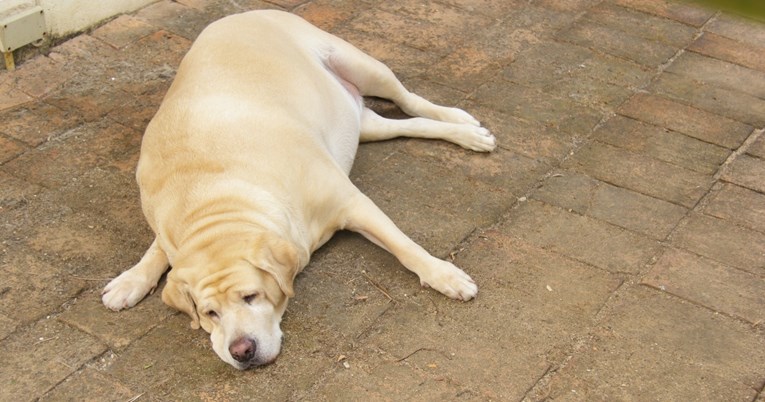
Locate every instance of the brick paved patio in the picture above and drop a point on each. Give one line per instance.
(617, 235)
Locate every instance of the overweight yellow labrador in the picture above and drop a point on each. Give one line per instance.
(244, 169)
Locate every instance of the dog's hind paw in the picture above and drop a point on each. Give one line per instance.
(451, 281)
(125, 291)
(477, 139)
(456, 115)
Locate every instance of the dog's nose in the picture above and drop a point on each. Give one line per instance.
(242, 350)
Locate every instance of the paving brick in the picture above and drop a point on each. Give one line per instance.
(226, 7)
(158, 54)
(720, 73)
(573, 235)
(473, 193)
(487, 7)
(548, 64)
(10, 95)
(731, 50)
(426, 26)
(742, 29)
(92, 383)
(40, 76)
(39, 357)
(328, 14)
(513, 276)
(569, 190)
(735, 105)
(74, 246)
(61, 161)
(542, 18)
(634, 23)
(123, 30)
(7, 324)
(688, 120)
(33, 288)
(640, 173)
(405, 61)
(746, 171)
(737, 204)
(478, 60)
(90, 97)
(198, 4)
(174, 17)
(576, 76)
(117, 204)
(655, 347)
(170, 347)
(710, 284)
(173, 347)
(532, 139)
(662, 144)
(532, 105)
(138, 112)
(617, 43)
(437, 13)
(116, 329)
(757, 148)
(10, 149)
(351, 270)
(643, 214)
(450, 350)
(723, 241)
(383, 380)
(37, 122)
(83, 56)
(288, 4)
(683, 12)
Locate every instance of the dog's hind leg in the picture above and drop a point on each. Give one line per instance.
(373, 78)
(376, 128)
(134, 284)
(364, 217)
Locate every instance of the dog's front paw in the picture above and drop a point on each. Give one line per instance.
(125, 291)
(450, 280)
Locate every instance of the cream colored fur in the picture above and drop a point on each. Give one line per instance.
(244, 173)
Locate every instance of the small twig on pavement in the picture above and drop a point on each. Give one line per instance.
(83, 278)
(45, 340)
(372, 281)
(423, 349)
(135, 398)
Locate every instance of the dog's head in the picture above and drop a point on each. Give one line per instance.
(239, 298)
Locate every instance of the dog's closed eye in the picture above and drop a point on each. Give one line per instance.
(212, 314)
(250, 298)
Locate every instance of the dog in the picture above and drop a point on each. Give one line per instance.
(243, 173)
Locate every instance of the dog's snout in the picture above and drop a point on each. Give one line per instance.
(243, 349)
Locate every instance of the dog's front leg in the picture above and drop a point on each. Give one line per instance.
(364, 217)
(134, 284)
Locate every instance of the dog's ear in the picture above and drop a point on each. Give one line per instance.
(176, 294)
(279, 258)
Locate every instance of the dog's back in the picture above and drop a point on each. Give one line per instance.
(252, 97)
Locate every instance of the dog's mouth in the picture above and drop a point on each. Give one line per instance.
(252, 364)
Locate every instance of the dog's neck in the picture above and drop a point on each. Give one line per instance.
(213, 221)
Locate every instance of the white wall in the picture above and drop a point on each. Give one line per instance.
(68, 16)
(7, 7)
